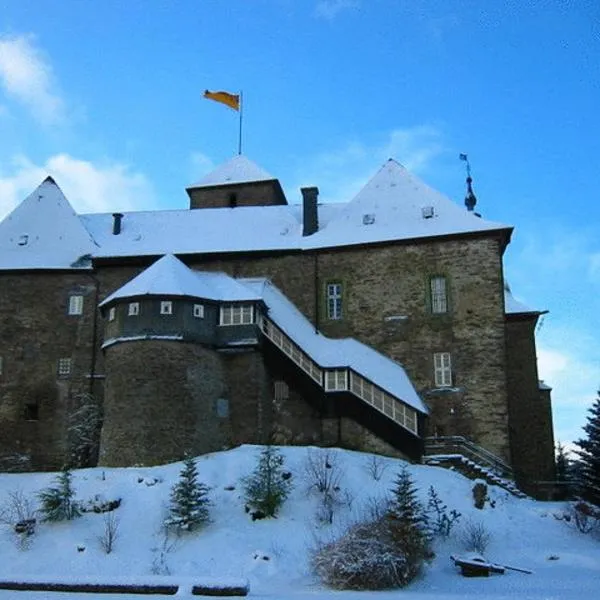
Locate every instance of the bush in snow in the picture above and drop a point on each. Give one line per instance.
(18, 512)
(189, 499)
(475, 537)
(111, 532)
(323, 471)
(57, 503)
(440, 522)
(480, 494)
(268, 486)
(366, 557)
(376, 466)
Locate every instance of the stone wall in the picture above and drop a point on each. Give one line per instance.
(256, 193)
(36, 332)
(530, 410)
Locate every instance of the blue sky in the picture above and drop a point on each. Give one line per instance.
(107, 96)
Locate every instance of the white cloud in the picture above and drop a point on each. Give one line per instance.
(341, 173)
(28, 77)
(329, 9)
(88, 187)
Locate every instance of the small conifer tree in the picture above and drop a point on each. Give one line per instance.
(408, 521)
(58, 502)
(267, 488)
(189, 499)
(589, 455)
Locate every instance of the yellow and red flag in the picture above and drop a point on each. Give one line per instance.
(231, 100)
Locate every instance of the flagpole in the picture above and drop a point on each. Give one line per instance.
(241, 115)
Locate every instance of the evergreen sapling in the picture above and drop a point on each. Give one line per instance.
(58, 502)
(189, 499)
(589, 455)
(267, 488)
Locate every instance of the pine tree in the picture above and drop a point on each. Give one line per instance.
(267, 488)
(189, 499)
(562, 464)
(408, 521)
(589, 454)
(58, 502)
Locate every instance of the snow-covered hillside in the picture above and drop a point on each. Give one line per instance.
(272, 554)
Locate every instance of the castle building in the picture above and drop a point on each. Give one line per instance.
(380, 324)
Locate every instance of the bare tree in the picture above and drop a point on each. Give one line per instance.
(376, 466)
(111, 532)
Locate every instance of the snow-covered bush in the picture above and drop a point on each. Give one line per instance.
(480, 494)
(323, 470)
(376, 466)
(268, 486)
(57, 503)
(111, 532)
(189, 499)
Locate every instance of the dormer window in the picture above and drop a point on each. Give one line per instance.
(166, 307)
(23, 239)
(427, 212)
(134, 309)
(236, 314)
(336, 380)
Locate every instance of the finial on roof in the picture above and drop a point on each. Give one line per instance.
(470, 199)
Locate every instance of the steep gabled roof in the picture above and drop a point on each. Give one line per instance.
(168, 276)
(44, 232)
(397, 205)
(513, 307)
(239, 169)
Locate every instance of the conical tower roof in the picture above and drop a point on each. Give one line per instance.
(44, 232)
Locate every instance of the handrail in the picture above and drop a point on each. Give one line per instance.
(469, 449)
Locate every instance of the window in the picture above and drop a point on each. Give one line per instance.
(31, 412)
(281, 391)
(64, 367)
(166, 307)
(134, 309)
(236, 314)
(334, 301)
(111, 313)
(75, 305)
(442, 369)
(222, 408)
(336, 380)
(199, 311)
(439, 296)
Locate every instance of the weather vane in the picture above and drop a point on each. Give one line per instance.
(470, 199)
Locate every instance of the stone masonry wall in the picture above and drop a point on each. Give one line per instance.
(161, 402)
(36, 331)
(530, 412)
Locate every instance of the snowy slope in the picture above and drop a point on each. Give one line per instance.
(272, 554)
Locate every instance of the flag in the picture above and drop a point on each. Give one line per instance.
(462, 156)
(231, 100)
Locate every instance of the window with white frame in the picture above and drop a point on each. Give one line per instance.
(64, 367)
(438, 294)
(336, 380)
(199, 311)
(442, 366)
(134, 309)
(112, 312)
(334, 301)
(281, 391)
(76, 305)
(236, 314)
(166, 307)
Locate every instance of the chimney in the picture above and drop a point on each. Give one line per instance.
(117, 223)
(310, 215)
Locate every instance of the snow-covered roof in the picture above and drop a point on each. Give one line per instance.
(335, 353)
(512, 306)
(44, 232)
(394, 205)
(168, 276)
(239, 169)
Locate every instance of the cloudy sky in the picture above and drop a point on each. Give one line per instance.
(107, 97)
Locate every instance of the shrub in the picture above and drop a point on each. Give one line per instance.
(57, 503)
(440, 521)
(268, 487)
(323, 471)
(376, 466)
(475, 537)
(189, 499)
(111, 532)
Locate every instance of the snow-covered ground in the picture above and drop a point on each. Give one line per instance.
(272, 554)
